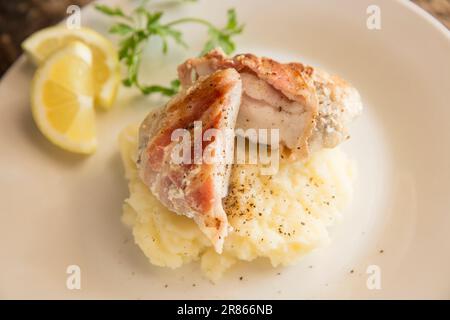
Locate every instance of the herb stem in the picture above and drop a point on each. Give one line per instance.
(192, 20)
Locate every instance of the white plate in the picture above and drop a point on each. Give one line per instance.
(57, 209)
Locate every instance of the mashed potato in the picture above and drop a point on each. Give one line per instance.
(279, 217)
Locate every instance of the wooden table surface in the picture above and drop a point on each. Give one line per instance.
(20, 18)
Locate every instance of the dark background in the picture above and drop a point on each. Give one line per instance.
(20, 18)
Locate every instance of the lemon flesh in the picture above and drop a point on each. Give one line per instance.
(62, 99)
(105, 64)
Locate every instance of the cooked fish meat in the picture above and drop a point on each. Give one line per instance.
(194, 189)
(311, 108)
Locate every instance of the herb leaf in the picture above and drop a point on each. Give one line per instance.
(117, 12)
(121, 29)
(167, 91)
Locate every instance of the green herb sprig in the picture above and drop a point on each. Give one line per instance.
(141, 24)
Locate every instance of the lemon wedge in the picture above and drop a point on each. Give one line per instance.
(62, 99)
(45, 42)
